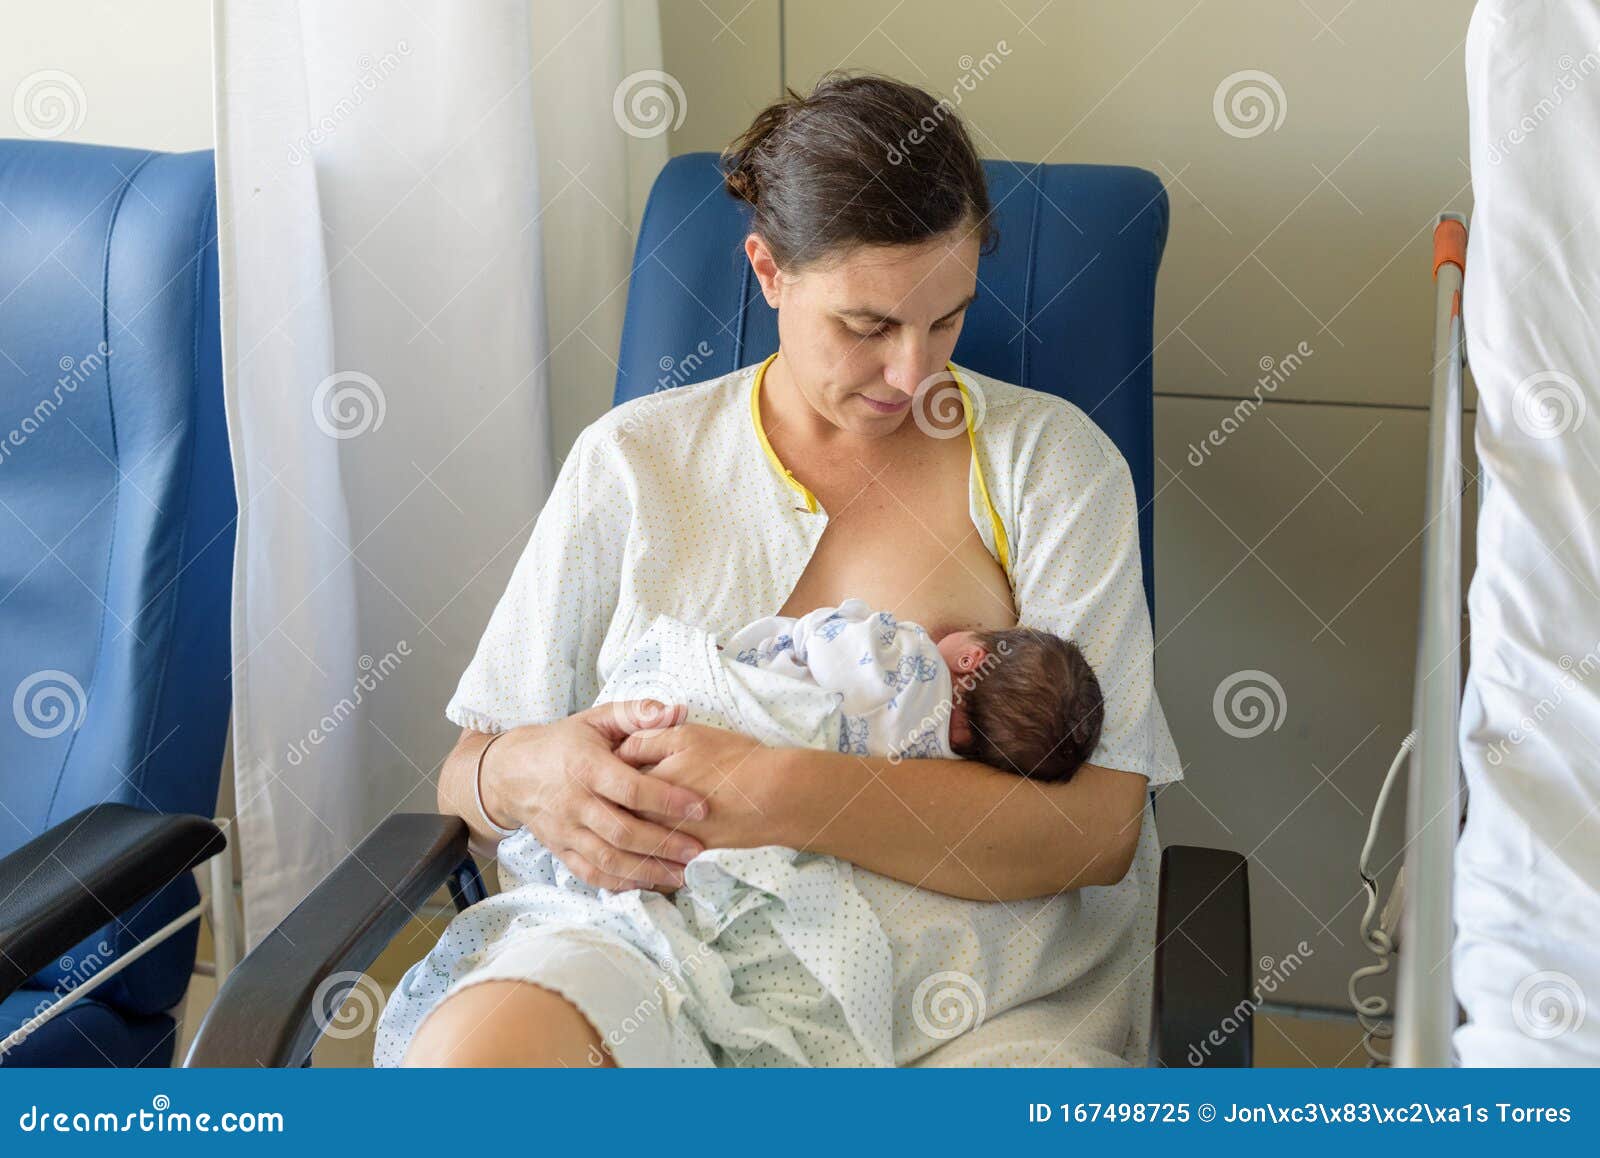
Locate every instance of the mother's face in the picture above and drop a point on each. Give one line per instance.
(861, 331)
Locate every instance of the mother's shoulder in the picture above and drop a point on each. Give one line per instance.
(676, 407)
(1027, 418)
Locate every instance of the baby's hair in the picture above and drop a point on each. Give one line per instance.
(1034, 705)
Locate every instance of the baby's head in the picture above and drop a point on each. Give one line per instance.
(1024, 701)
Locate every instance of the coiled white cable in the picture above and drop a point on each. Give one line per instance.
(1373, 1011)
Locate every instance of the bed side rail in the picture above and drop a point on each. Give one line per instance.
(1425, 1005)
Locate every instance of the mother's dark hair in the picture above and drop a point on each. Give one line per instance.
(862, 160)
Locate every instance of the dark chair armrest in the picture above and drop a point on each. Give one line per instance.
(274, 1005)
(61, 886)
(1203, 1009)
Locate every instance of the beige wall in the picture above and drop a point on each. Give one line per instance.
(140, 70)
(1293, 548)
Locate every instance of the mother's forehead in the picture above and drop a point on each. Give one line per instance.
(957, 250)
(880, 276)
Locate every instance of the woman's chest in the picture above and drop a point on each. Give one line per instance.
(725, 540)
(905, 541)
(919, 564)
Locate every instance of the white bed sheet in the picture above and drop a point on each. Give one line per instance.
(1527, 898)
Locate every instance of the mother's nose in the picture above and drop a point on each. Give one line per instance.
(906, 371)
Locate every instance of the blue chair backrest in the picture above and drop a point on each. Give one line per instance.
(1065, 303)
(116, 512)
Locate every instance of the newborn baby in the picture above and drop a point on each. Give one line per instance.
(771, 956)
(1020, 700)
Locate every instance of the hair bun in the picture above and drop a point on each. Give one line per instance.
(741, 183)
(742, 159)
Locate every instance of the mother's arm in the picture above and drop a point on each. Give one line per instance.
(564, 782)
(554, 770)
(961, 827)
(953, 826)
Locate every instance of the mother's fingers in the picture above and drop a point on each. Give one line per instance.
(611, 861)
(585, 871)
(624, 830)
(624, 785)
(625, 717)
(648, 746)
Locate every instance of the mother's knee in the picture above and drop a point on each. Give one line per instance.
(506, 1023)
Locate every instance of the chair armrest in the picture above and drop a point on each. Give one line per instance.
(61, 886)
(274, 1005)
(1203, 1009)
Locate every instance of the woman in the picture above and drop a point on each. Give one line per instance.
(839, 467)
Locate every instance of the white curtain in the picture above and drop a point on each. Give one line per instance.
(389, 368)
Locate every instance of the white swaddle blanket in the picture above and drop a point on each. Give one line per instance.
(772, 956)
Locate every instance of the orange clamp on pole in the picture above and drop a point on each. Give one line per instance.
(1449, 245)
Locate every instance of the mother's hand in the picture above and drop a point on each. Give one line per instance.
(565, 782)
(737, 776)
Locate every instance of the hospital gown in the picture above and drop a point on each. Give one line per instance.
(773, 956)
(675, 504)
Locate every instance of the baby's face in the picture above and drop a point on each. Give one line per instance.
(963, 654)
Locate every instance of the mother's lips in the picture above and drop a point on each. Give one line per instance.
(886, 407)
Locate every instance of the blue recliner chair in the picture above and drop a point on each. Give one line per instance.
(116, 553)
(1065, 305)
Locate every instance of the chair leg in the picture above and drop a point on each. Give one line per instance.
(222, 913)
(466, 885)
(1204, 1003)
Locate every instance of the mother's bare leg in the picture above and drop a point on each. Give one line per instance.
(506, 1023)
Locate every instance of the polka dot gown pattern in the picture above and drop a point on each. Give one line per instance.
(668, 505)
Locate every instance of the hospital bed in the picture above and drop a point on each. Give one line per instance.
(1496, 953)
(1066, 306)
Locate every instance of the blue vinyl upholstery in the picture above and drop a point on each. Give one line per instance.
(1065, 303)
(116, 542)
